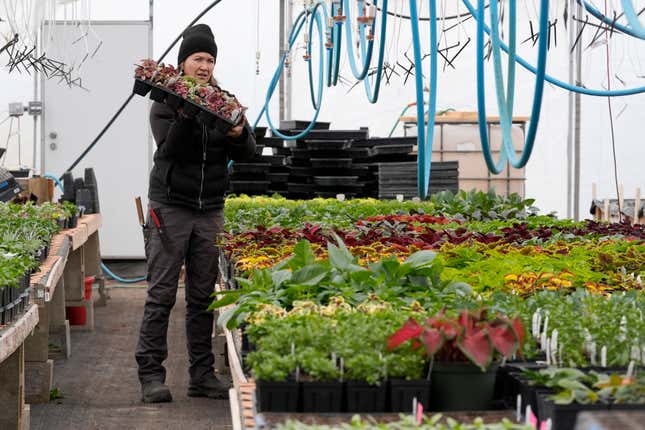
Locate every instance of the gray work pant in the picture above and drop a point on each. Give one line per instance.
(189, 238)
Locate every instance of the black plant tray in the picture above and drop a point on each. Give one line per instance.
(301, 125)
(277, 396)
(396, 167)
(260, 132)
(299, 162)
(275, 160)
(247, 187)
(333, 194)
(391, 158)
(331, 163)
(374, 141)
(300, 188)
(163, 95)
(323, 145)
(403, 393)
(282, 151)
(335, 181)
(391, 149)
(278, 178)
(321, 396)
(563, 417)
(301, 171)
(272, 142)
(251, 168)
(362, 397)
(300, 153)
(328, 134)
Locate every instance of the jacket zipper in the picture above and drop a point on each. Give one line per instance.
(201, 186)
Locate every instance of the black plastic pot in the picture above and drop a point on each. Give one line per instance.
(321, 396)
(260, 132)
(461, 387)
(530, 394)
(363, 397)
(277, 396)
(141, 87)
(403, 393)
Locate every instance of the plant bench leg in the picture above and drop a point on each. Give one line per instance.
(59, 335)
(12, 381)
(38, 367)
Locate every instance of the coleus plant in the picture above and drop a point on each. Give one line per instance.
(472, 336)
(211, 97)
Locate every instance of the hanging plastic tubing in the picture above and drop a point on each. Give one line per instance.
(635, 25)
(599, 15)
(367, 53)
(372, 95)
(425, 135)
(506, 106)
(557, 82)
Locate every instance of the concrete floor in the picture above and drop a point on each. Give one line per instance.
(99, 381)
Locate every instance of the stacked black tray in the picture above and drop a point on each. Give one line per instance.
(251, 177)
(401, 179)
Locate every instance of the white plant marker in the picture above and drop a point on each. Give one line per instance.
(603, 356)
(635, 355)
(592, 353)
(554, 347)
(630, 370)
(518, 408)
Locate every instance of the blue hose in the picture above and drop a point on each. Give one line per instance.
(372, 95)
(556, 82)
(55, 179)
(120, 279)
(508, 151)
(295, 30)
(618, 26)
(425, 136)
(367, 54)
(635, 25)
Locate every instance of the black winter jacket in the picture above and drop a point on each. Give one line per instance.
(190, 164)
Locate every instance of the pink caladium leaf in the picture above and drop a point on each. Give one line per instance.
(410, 330)
(475, 344)
(433, 340)
(503, 337)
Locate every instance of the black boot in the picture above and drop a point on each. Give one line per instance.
(155, 392)
(208, 386)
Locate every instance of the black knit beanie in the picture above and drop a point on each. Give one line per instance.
(198, 38)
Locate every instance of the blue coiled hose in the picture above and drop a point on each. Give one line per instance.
(634, 24)
(557, 82)
(425, 136)
(367, 53)
(618, 26)
(372, 95)
(506, 107)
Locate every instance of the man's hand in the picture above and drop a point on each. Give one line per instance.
(237, 130)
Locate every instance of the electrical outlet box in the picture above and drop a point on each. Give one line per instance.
(16, 109)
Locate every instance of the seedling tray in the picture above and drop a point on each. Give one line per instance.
(249, 187)
(286, 152)
(391, 149)
(301, 125)
(272, 142)
(275, 160)
(324, 145)
(260, 132)
(300, 188)
(163, 95)
(374, 141)
(335, 181)
(332, 163)
(278, 178)
(251, 168)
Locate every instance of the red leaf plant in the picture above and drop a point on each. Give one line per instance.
(473, 336)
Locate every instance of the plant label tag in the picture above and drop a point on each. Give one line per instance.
(546, 425)
(419, 413)
(531, 419)
(340, 197)
(399, 197)
(518, 408)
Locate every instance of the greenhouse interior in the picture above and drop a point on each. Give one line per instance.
(322, 214)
